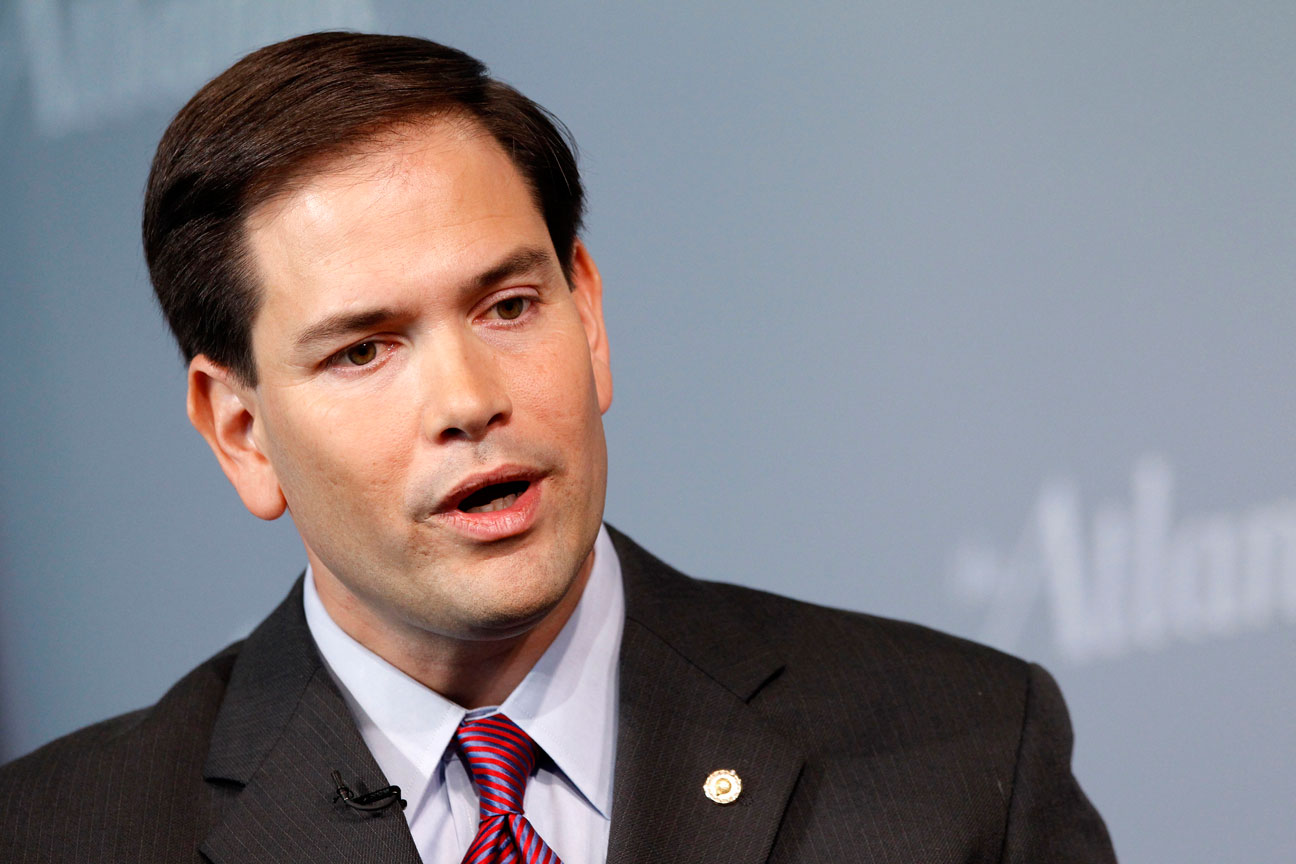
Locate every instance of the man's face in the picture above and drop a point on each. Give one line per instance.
(430, 389)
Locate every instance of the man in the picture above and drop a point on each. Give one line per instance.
(369, 253)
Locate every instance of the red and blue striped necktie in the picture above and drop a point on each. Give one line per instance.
(501, 757)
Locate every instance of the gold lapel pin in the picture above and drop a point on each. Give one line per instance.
(723, 786)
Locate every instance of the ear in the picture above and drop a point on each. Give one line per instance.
(223, 410)
(587, 290)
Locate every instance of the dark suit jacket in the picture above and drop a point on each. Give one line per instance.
(856, 738)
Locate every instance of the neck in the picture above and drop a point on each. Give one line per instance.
(472, 672)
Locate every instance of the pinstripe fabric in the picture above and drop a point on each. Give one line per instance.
(501, 757)
(857, 739)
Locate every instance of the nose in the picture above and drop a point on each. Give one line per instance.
(464, 391)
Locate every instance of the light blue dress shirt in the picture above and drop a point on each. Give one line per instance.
(567, 703)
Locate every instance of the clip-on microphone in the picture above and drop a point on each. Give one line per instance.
(370, 802)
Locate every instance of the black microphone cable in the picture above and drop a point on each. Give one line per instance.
(370, 802)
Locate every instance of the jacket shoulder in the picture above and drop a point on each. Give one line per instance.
(811, 633)
(934, 745)
(857, 674)
(133, 776)
(898, 663)
(979, 738)
(711, 619)
(177, 715)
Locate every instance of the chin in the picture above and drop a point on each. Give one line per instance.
(496, 605)
(523, 609)
(502, 620)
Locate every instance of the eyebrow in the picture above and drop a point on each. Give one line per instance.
(525, 260)
(343, 324)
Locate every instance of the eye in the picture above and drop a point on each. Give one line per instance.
(359, 355)
(511, 308)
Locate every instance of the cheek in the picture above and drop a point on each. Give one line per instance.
(555, 380)
(347, 452)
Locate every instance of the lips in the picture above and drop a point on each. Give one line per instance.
(496, 496)
(482, 488)
(492, 506)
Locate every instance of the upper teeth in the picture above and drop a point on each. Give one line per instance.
(497, 504)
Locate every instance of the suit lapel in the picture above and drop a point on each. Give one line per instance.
(282, 730)
(687, 669)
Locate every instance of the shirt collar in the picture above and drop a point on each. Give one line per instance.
(567, 703)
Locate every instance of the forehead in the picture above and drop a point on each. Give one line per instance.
(414, 207)
(451, 166)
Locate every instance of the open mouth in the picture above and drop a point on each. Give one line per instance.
(496, 496)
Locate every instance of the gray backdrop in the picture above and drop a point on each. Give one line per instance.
(975, 314)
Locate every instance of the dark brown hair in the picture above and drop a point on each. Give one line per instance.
(278, 111)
